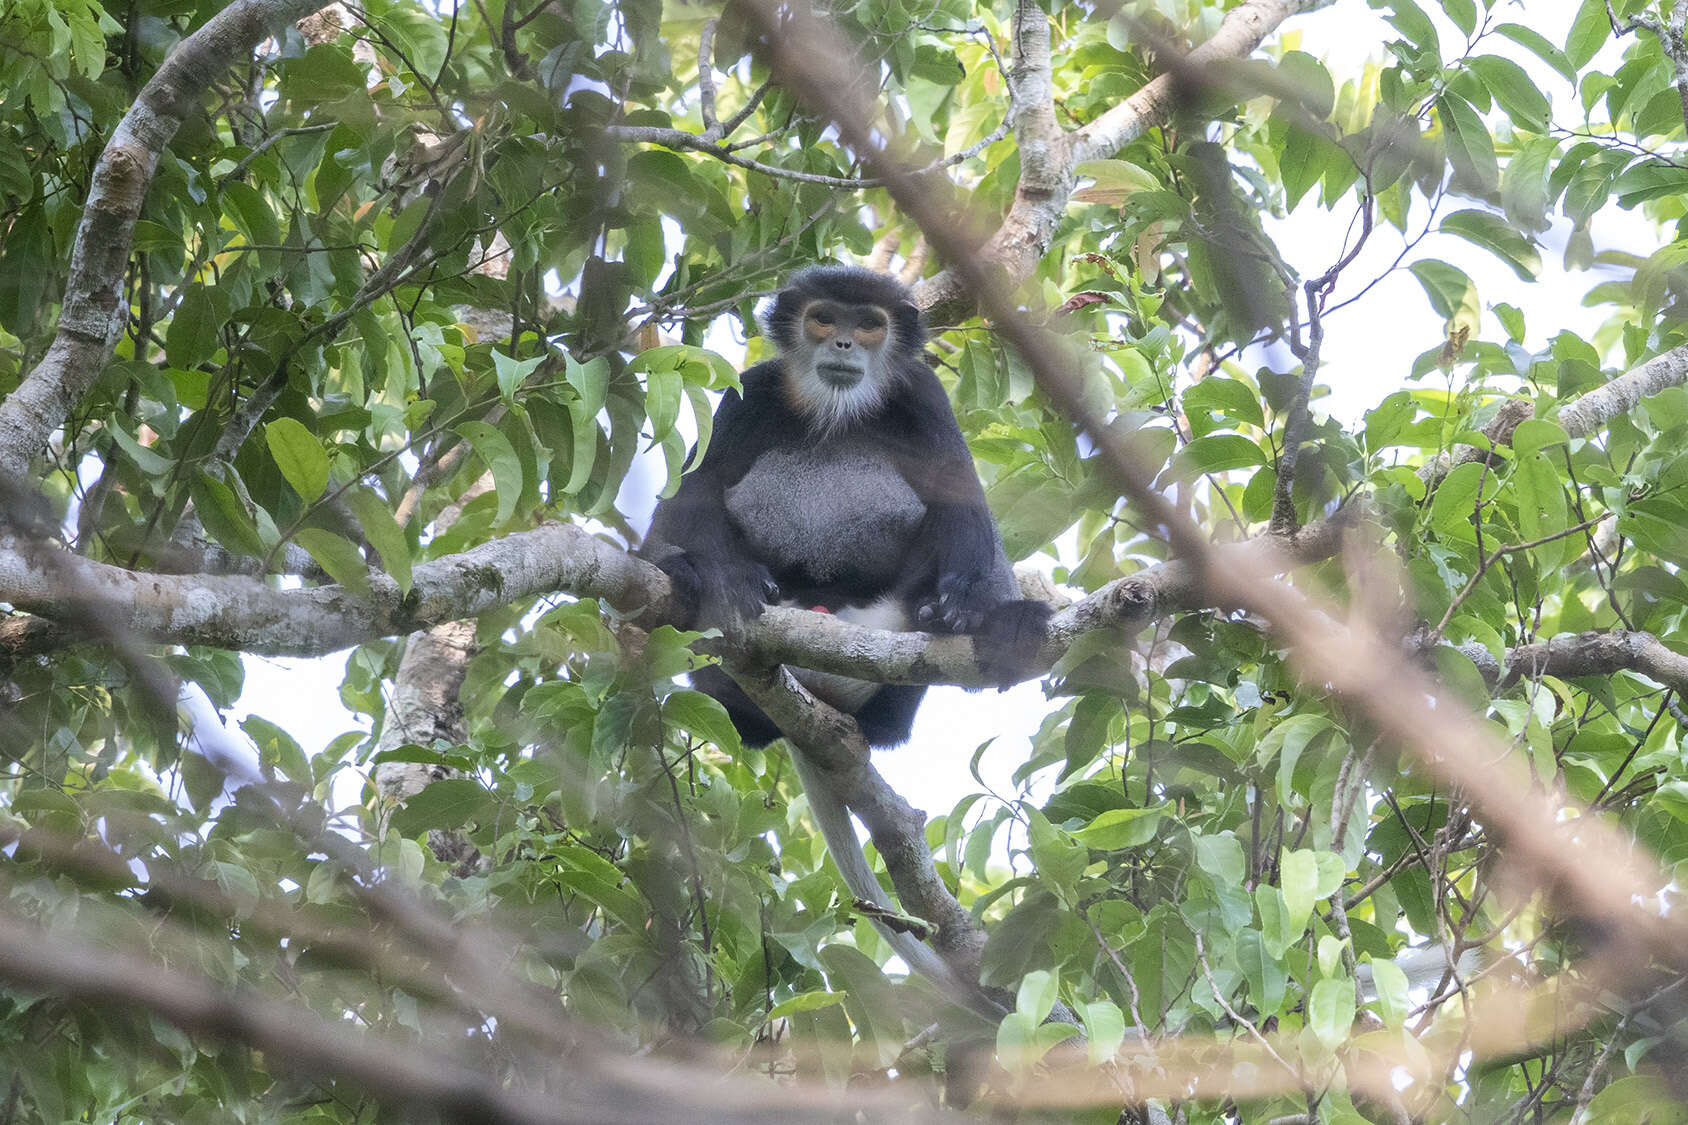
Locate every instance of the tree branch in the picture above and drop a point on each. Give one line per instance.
(1046, 182)
(1598, 654)
(406, 1073)
(1590, 413)
(246, 614)
(833, 745)
(241, 613)
(93, 312)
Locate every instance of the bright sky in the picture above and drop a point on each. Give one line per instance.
(1367, 352)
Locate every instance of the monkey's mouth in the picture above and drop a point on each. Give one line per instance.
(839, 375)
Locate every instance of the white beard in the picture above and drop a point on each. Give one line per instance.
(830, 407)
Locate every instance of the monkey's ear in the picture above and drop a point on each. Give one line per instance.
(911, 324)
(777, 319)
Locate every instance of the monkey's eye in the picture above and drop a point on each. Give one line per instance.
(872, 322)
(823, 316)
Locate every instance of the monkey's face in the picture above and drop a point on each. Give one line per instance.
(839, 363)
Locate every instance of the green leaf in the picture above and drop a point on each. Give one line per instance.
(703, 419)
(299, 456)
(1535, 434)
(1217, 453)
(409, 222)
(1114, 829)
(1516, 92)
(1104, 1028)
(1332, 870)
(1060, 861)
(383, 533)
(1087, 732)
(1649, 179)
(1038, 991)
(1588, 33)
(1640, 1099)
(1221, 856)
(240, 885)
(1267, 979)
(703, 716)
(806, 1002)
(513, 372)
(1470, 148)
(1493, 234)
(252, 214)
(1330, 954)
(662, 402)
(599, 881)
(1409, 19)
(1393, 1004)
(1307, 153)
(938, 64)
(195, 331)
(1277, 927)
(1285, 743)
(445, 804)
(1511, 318)
(1299, 879)
(224, 516)
(149, 462)
(1456, 497)
(589, 380)
(336, 554)
(1448, 287)
(584, 424)
(1226, 396)
(1544, 50)
(1330, 1011)
(1524, 184)
(499, 456)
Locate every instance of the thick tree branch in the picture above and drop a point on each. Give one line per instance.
(245, 614)
(1245, 27)
(93, 312)
(1499, 431)
(1598, 654)
(1590, 413)
(832, 744)
(248, 615)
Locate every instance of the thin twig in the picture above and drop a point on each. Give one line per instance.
(1500, 553)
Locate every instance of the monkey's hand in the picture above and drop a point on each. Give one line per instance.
(720, 591)
(1006, 646)
(964, 602)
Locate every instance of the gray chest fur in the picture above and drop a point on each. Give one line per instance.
(833, 512)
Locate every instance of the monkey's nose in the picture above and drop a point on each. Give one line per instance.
(842, 344)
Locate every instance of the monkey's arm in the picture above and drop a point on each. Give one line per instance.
(965, 583)
(692, 539)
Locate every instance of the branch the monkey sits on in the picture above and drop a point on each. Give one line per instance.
(838, 480)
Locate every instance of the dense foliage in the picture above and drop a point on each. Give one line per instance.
(398, 254)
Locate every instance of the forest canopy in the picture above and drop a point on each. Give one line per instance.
(1358, 789)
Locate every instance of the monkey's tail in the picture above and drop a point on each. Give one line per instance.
(833, 817)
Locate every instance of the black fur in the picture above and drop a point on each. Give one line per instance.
(950, 574)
